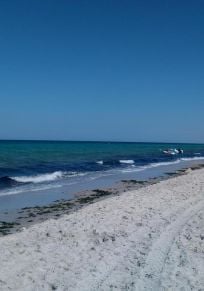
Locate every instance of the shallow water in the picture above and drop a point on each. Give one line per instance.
(37, 173)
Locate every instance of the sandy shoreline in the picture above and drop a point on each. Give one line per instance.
(146, 239)
(15, 221)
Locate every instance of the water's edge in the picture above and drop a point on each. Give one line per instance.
(16, 220)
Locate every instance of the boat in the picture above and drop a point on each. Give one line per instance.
(173, 152)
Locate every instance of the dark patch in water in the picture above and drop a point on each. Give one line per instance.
(6, 182)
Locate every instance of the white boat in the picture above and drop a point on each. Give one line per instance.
(173, 152)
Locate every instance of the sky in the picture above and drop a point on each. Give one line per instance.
(117, 70)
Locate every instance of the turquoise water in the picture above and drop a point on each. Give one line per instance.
(40, 163)
(40, 172)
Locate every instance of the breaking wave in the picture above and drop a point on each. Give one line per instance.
(127, 162)
(40, 178)
(159, 164)
(7, 181)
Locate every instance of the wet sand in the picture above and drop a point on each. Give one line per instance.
(23, 218)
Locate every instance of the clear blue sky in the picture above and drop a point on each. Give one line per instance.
(102, 70)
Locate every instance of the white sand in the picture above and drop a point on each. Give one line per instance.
(149, 239)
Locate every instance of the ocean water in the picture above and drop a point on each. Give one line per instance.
(37, 166)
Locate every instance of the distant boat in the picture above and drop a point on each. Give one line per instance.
(173, 152)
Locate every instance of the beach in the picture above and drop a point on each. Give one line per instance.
(151, 238)
(102, 146)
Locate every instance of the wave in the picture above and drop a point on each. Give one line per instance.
(20, 190)
(131, 166)
(126, 161)
(192, 159)
(74, 174)
(115, 162)
(153, 165)
(7, 182)
(149, 166)
(13, 182)
(48, 177)
(39, 178)
(159, 164)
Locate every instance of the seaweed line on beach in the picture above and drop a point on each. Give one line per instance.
(31, 215)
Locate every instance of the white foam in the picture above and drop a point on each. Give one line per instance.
(192, 159)
(74, 174)
(40, 178)
(100, 162)
(25, 190)
(149, 166)
(155, 165)
(49, 177)
(126, 161)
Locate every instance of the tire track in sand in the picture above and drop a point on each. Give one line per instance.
(150, 275)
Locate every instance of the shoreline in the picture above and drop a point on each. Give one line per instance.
(151, 238)
(28, 216)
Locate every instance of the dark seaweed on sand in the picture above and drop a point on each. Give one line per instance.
(6, 226)
(97, 193)
(133, 181)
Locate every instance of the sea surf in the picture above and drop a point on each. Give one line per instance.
(27, 166)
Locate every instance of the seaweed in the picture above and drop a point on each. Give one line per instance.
(6, 226)
(99, 192)
(83, 200)
(133, 181)
(171, 173)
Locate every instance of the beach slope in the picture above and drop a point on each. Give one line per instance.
(148, 239)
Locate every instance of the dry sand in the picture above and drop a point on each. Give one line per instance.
(147, 239)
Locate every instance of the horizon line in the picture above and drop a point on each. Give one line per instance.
(98, 141)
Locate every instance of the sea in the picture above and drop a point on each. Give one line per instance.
(40, 172)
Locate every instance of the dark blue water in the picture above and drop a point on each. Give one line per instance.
(37, 165)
